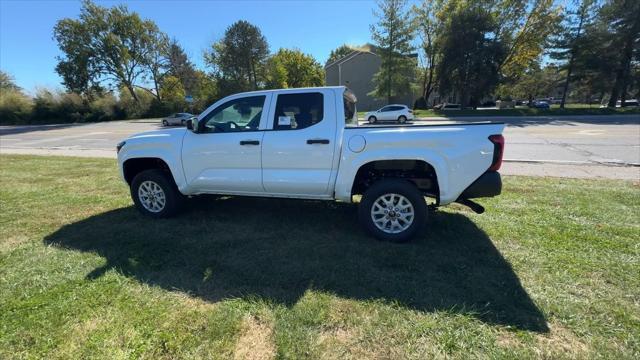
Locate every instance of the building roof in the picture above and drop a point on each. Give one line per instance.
(357, 50)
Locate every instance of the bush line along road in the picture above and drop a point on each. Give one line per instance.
(572, 146)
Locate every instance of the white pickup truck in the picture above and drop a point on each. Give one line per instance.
(306, 144)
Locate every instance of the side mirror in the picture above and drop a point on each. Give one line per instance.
(192, 124)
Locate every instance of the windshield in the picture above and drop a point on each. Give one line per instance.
(350, 112)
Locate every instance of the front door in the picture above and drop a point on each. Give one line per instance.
(298, 150)
(225, 155)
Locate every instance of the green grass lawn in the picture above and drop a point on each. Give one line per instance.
(551, 270)
(573, 109)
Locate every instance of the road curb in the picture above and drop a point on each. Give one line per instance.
(576, 163)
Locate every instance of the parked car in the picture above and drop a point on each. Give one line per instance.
(537, 104)
(306, 144)
(394, 112)
(177, 119)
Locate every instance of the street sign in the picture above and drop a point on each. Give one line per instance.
(188, 98)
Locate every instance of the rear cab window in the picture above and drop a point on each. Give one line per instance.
(350, 112)
(298, 111)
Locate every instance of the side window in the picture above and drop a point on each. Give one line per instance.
(385, 109)
(241, 114)
(298, 111)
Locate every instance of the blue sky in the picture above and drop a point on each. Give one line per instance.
(27, 50)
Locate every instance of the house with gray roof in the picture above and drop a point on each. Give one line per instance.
(356, 71)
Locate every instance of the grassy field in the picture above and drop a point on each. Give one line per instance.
(551, 270)
(523, 111)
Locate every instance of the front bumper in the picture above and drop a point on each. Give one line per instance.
(487, 185)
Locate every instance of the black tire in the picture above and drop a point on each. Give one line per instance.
(393, 186)
(165, 123)
(173, 198)
(182, 122)
(402, 119)
(372, 120)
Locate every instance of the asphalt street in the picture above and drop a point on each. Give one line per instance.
(582, 144)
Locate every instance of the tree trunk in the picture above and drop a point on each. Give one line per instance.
(255, 78)
(625, 84)
(570, 68)
(625, 63)
(566, 83)
(389, 69)
(156, 85)
(132, 92)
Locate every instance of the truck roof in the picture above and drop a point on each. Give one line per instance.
(342, 87)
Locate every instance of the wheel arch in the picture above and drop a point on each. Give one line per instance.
(133, 166)
(417, 171)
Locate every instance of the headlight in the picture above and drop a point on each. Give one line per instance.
(119, 146)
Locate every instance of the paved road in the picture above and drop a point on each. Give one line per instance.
(576, 146)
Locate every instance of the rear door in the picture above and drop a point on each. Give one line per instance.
(395, 112)
(298, 146)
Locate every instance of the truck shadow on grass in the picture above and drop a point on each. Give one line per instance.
(279, 249)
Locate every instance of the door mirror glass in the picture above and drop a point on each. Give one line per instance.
(192, 124)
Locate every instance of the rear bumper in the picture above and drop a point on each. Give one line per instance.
(487, 185)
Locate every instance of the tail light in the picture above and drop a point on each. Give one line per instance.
(410, 111)
(498, 151)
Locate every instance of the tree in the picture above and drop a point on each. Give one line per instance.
(204, 91)
(173, 94)
(339, 53)
(7, 82)
(392, 35)
(157, 61)
(238, 59)
(619, 22)
(523, 27)
(471, 58)
(534, 82)
(428, 25)
(276, 74)
(178, 65)
(569, 42)
(105, 45)
(296, 69)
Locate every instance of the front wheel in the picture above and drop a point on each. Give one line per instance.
(393, 210)
(155, 195)
(372, 119)
(165, 123)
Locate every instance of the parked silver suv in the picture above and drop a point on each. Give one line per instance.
(177, 119)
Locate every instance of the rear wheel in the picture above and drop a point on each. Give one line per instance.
(155, 195)
(393, 210)
(402, 119)
(372, 119)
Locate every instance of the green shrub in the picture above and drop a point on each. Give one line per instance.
(15, 107)
(105, 108)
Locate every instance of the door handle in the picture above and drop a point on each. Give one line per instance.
(318, 141)
(249, 142)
